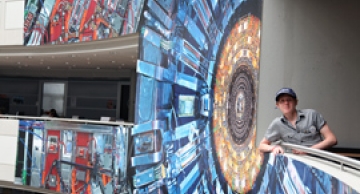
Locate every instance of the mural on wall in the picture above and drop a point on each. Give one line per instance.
(196, 104)
(234, 118)
(281, 174)
(65, 21)
(73, 158)
(197, 84)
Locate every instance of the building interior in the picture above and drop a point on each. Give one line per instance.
(158, 96)
(88, 80)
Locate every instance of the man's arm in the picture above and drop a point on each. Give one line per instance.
(265, 146)
(329, 138)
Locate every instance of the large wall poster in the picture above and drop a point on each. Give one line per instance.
(281, 174)
(65, 21)
(195, 120)
(70, 157)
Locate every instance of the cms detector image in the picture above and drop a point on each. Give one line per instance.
(195, 122)
(235, 95)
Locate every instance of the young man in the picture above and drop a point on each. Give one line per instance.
(303, 127)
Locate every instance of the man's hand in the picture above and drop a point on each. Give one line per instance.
(298, 152)
(276, 149)
(266, 147)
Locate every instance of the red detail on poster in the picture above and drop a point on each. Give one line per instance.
(52, 155)
(83, 156)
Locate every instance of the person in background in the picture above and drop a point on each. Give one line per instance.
(53, 113)
(302, 127)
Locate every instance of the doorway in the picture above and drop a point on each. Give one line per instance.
(124, 102)
(53, 97)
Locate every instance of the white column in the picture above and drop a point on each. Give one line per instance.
(9, 130)
(12, 22)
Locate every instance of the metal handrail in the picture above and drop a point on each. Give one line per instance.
(67, 120)
(328, 155)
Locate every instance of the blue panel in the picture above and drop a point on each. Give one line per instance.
(145, 99)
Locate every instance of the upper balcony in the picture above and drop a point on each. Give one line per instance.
(114, 57)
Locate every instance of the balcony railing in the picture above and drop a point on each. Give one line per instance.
(113, 123)
(342, 160)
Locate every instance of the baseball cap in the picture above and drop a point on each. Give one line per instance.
(288, 91)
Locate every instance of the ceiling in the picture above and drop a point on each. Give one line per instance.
(109, 58)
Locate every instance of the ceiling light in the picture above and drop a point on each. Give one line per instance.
(48, 67)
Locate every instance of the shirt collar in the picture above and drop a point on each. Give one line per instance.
(299, 114)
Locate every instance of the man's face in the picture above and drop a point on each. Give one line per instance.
(286, 104)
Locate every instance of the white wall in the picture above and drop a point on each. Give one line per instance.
(312, 46)
(11, 22)
(9, 130)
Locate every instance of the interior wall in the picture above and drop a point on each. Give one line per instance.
(312, 47)
(22, 96)
(11, 22)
